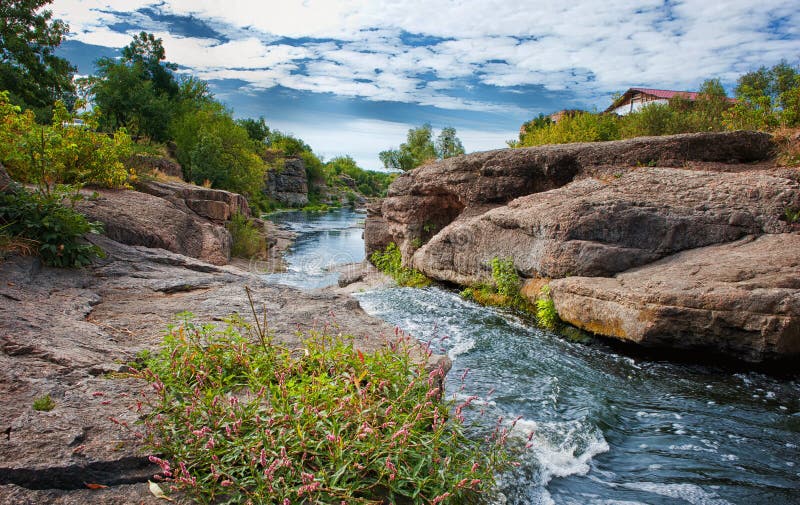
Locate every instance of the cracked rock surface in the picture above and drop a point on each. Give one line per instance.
(64, 333)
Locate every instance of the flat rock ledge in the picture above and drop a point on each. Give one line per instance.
(740, 298)
(65, 332)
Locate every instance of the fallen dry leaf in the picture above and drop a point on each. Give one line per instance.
(92, 485)
(157, 492)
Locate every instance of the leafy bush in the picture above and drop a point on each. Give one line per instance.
(241, 420)
(390, 262)
(212, 147)
(247, 240)
(57, 230)
(62, 153)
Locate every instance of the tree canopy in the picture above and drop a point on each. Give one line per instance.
(34, 77)
(139, 91)
(419, 148)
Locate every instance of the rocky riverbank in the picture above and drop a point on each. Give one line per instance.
(679, 242)
(70, 334)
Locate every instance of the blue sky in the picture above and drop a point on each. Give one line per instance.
(351, 77)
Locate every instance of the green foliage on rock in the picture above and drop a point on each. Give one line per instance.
(247, 240)
(766, 99)
(390, 262)
(546, 314)
(29, 70)
(504, 291)
(236, 419)
(56, 230)
(44, 403)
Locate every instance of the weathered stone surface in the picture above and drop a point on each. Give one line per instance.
(61, 331)
(741, 298)
(137, 218)
(288, 185)
(376, 231)
(589, 228)
(422, 202)
(198, 199)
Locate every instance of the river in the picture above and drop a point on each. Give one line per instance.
(608, 427)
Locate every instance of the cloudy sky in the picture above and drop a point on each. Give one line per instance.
(351, 76)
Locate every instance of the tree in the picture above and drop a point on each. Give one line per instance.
(447, 144)
(33, 75)
(419, 148)
(767, 97)
(138, 92)
(256, 128)
(212, 147)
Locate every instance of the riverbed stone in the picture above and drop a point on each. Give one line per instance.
(740, 299)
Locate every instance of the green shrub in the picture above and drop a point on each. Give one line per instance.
(241, 420)
(57, 230)
(44, 404)
(546, 314)
(505, 276)
(61, 153)
(247, 240)
(390, 262)
(505, 289)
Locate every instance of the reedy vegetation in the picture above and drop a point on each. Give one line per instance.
(234, 419)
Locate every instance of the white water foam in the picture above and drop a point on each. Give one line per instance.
(561, 448)
(687, 492)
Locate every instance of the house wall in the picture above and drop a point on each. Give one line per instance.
(635, 103)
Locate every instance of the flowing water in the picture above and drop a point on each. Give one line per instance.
(606, 427)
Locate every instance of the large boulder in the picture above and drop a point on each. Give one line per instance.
(136, 218)
(376, 231)
(424, 201)
(288, 185)
(741, 298)
(215, 204)
(591, 228)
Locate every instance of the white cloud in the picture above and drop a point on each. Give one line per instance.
(587, 47)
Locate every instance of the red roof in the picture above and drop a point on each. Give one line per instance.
(666, 93)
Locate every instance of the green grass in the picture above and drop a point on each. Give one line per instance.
(235, 418)
(44, 404)
(390, 262)
(247, 240)
(504, 291)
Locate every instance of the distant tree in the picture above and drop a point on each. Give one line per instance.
(257, 129)
(767, 97)
(33, 75)
(447, 144)
(419, 148)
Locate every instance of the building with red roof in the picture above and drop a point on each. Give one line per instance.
(636, 98)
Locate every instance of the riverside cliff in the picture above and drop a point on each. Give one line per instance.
(683, 241)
